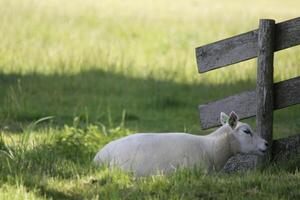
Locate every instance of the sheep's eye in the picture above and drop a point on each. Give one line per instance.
(247, 131)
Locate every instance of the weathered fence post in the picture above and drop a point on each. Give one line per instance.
(268, 96)
(264, 84)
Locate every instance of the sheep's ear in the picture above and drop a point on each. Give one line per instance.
(223, 118)
(233, 119)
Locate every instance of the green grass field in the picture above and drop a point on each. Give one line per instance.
(76, 74)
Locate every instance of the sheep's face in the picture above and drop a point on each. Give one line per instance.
(245, 140)
(248, 141)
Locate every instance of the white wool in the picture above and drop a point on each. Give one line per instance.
(149, 153)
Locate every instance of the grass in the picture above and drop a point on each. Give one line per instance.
(94, 71)
(49, 163)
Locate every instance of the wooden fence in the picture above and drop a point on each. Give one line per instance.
(260, 43)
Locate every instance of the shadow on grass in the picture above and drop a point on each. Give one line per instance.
(53, 193)
(98, 96)
(93, 95)
(191, 183)
(30, 167)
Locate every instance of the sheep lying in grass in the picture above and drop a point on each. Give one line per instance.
(148, 153)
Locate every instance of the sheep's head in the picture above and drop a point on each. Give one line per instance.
(244, 139)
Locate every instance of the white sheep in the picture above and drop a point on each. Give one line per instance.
(149, 153)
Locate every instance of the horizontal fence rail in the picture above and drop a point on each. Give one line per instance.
(245, 46)
(286, 93)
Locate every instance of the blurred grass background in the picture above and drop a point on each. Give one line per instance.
(137, 39)
(90, 58)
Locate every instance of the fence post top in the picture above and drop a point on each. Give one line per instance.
(267, 20)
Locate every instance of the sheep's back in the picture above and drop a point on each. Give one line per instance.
(147, 153)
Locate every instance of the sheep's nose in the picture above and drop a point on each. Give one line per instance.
(267, 144)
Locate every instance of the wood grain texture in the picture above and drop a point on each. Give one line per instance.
(245, 46)
(286, 93)
(264, 84)
(243, 104)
